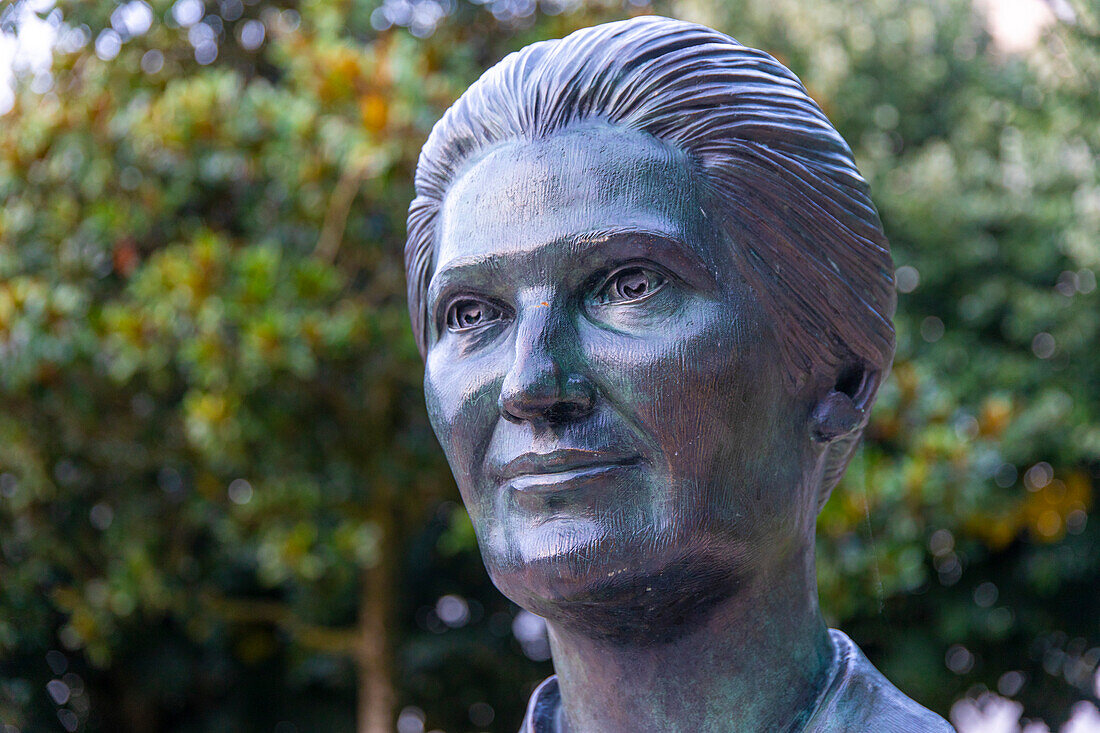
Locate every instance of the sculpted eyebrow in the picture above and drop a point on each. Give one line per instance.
(601, 245)
(641, 243)
(467, 268)
(461, 273)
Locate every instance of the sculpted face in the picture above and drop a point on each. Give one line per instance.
(605, 385)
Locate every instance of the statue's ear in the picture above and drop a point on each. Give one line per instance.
(843, 409)
(838, 418)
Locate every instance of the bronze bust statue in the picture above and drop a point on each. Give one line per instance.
(654, 300)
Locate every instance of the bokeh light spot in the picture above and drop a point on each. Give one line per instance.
(240, 491)
(906, 278)
(959, 659)
(251, 34)
(1043, 345)
(107, 44)
(931, 329)
(187, 12)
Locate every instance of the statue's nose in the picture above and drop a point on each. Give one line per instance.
(544, 383)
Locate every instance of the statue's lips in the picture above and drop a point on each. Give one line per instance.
(557, 470)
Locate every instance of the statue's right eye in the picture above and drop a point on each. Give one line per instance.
(468, 313)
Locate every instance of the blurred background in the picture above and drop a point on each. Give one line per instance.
(221, 507)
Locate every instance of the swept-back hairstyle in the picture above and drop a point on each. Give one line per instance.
(776, 175)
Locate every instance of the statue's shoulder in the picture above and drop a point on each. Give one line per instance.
(859, 699)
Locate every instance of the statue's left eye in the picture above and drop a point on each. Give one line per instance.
(468, 313)
(630, 284)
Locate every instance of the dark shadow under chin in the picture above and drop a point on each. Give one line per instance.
(643, 605)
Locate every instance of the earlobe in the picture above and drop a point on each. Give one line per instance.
(843, 410)
(834, 417)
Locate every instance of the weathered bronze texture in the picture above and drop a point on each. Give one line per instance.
(654, 300)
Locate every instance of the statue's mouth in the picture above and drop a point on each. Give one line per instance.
(562, 469)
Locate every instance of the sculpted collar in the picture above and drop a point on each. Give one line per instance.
(856, 699)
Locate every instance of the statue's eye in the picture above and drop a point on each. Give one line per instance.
(467, 313)
(630, 284)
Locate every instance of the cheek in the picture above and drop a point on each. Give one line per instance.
(462, 409)
(685, 389)
(709, 399)
(703, 416)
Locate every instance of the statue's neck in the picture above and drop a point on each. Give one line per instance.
(758, 661)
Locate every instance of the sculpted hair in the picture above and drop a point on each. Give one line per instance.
(776, 175)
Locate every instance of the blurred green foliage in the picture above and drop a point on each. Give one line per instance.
(217, 483)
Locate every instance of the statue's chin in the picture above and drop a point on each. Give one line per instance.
(630, 593)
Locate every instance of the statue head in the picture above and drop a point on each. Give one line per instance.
(654, 300)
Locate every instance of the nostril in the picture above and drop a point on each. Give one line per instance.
(556, 405)
(564, 412)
